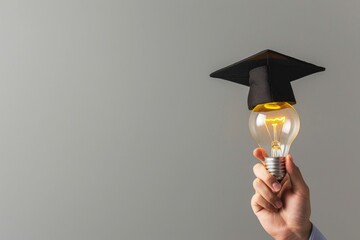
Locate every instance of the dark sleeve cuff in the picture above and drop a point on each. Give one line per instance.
(316, 234)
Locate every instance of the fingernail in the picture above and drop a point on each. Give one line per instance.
(278, 204)
(276, 186)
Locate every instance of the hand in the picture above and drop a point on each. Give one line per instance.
(283, 209)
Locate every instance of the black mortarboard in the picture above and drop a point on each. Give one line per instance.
(268, 74)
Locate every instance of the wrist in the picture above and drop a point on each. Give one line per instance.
(305, 234)
(301, 234)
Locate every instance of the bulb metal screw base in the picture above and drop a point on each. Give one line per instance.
(276, 167)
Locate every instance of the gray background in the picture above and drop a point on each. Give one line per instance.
(112, 129)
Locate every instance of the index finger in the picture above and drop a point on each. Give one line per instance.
(268, 179)
(261, 173)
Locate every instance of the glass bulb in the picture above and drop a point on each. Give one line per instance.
(274, 126)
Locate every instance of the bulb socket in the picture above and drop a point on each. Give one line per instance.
(276, 167)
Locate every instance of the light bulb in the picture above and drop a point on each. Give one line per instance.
(274, 126)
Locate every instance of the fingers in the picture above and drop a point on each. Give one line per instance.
(258, 203)
(260, 153)
(297, 181)
(266, 186)
(263, 174)
(266, 193)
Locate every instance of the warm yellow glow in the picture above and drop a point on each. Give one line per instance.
(268, 107)
(275, 120)
(274, 126)
(272, 106)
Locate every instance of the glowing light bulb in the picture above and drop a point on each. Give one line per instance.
(274, 126)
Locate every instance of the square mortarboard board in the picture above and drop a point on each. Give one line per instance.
(268, 74)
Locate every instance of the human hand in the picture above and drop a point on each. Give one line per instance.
(283, 209)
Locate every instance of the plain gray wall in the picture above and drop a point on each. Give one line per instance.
(112, 129)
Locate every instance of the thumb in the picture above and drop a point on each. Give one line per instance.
(296, 179)
(260, 154)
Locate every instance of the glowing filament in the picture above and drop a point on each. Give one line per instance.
(275, 124)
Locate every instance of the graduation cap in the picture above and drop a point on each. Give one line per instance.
(268, 74)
